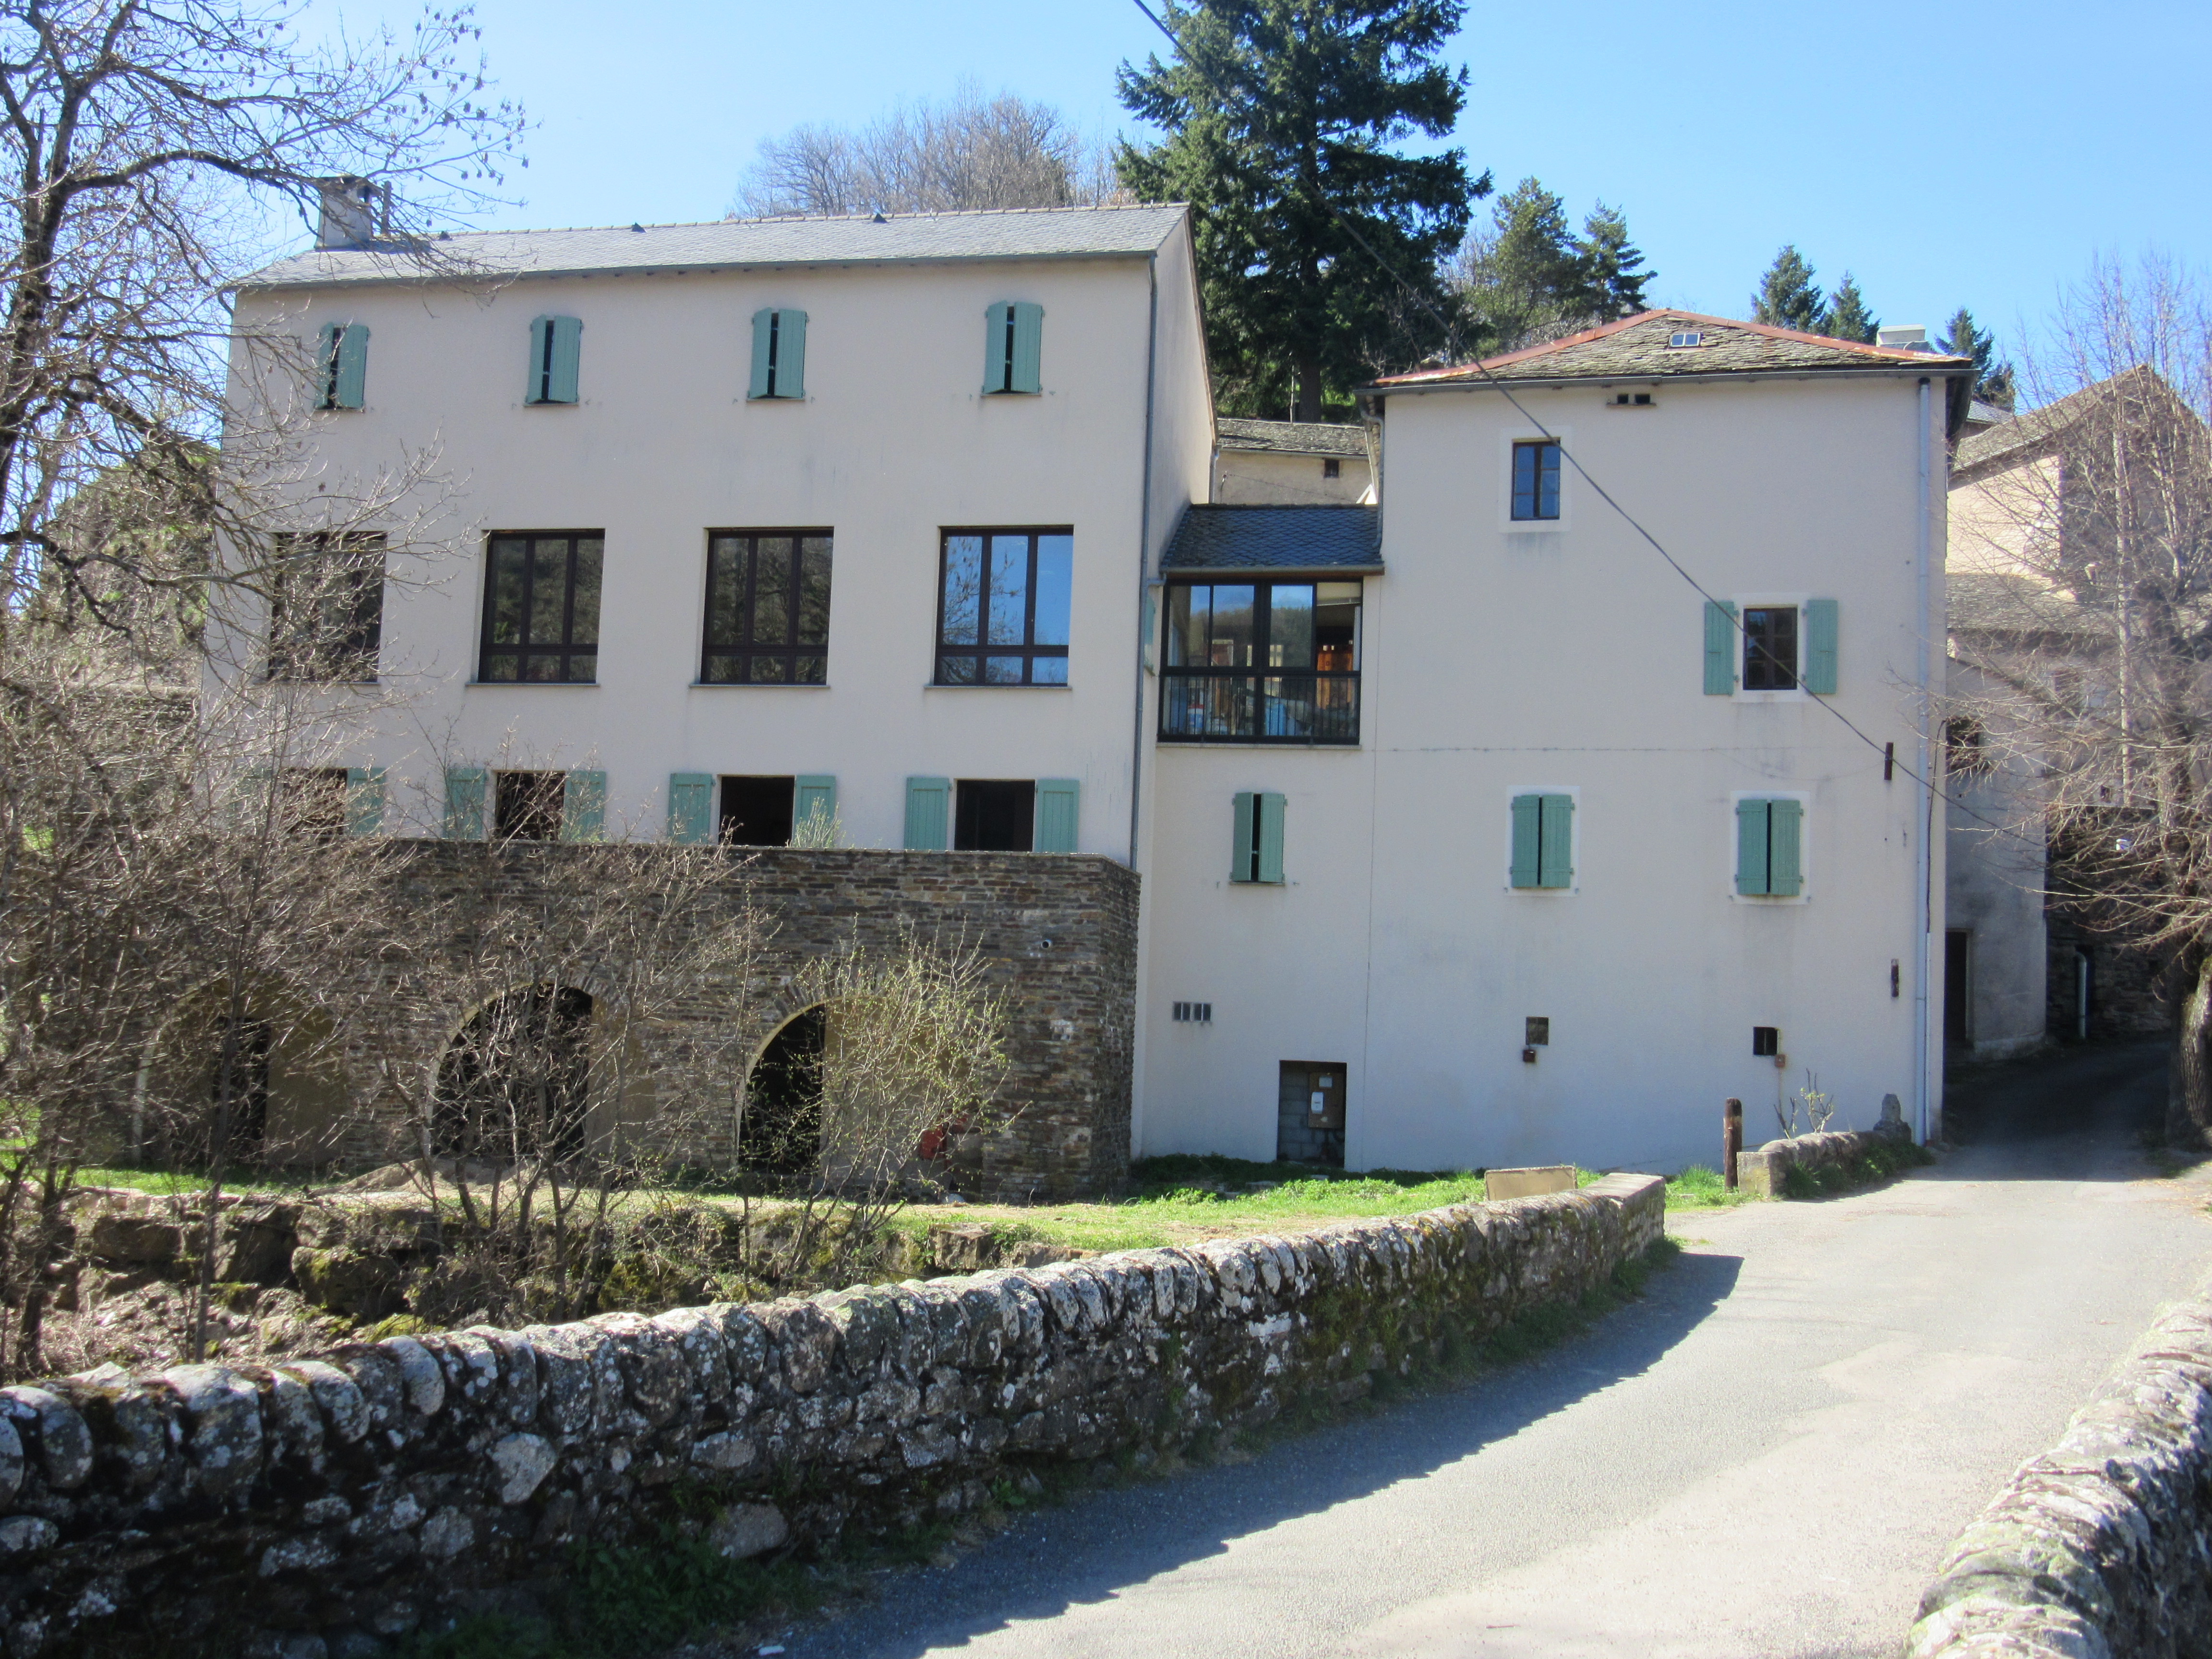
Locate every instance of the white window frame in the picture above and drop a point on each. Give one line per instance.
(1573, 791)
(1805, 874)
(1761, 601)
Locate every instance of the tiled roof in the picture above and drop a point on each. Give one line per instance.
(727, 244)
(1276, 539)
(1638, 348)
(1291, 437)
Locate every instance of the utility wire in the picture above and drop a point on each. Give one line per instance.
(1451, 345)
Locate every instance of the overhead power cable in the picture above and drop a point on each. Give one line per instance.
(1451, 345)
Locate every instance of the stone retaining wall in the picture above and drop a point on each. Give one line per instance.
(323, 1508)
(1765, 1173)
(2103, 1545)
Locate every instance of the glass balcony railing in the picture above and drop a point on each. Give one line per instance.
(1213, 705)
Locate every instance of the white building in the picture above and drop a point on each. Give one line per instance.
(1291, 464)
(1471, 834)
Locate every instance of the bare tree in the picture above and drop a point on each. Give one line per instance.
(140, 146)
(2093, 512)
(970, 152)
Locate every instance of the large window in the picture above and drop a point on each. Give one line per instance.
(768, 608)
(542, 607)
(1002, 607)
(1262, 662)
(327, 607)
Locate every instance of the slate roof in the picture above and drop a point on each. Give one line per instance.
(1291, 437)
(2026, 435)
(1636, 349)
(1276, 539)
(736, 244)
(1977, 602)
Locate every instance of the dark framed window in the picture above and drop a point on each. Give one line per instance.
(527, 806)
(1262, 662)
(768, 608)
(312, 800)
(326, 606)
(755, 812)
(1770, 647)
(542, 607)
(995, 815)
(1002, 606)
(1536, 479)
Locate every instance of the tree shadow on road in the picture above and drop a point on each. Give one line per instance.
(1103, 1542)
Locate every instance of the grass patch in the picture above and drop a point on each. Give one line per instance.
(1701, 1187)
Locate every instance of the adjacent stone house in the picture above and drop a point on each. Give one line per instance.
(1291, 464)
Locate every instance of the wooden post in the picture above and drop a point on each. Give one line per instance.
(1731, 1141)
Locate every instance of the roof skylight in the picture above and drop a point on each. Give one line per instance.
(1685, 339)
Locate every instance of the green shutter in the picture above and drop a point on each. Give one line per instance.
(1820, 675)
(1559, 841)
(926, 801)
(364, 799)
(1057, 801)
(995, 359)
(1720, 647)
(464, 802)
(813, 797)
(1751, 845)
(691, 808)
(533, 385)
(1241, 836)
(1029, 341)
(1271, 839)
(762, 320)
(791, 354)
(583, 806)
(1784, 863)
(349, 385)
(568, 350)
(1527, 840)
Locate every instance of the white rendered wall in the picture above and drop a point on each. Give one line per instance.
(1496, 661)
(1259, 477)
(893, 440)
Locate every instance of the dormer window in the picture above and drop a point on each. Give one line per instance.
(1686, 340)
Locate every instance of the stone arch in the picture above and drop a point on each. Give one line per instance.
(514, 1078)
(288, 1091)
(779, 1108)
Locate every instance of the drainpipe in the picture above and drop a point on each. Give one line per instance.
(1925, 895)
(1143, 557)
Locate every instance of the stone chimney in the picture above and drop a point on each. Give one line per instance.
(350, 212)
(1903, 339)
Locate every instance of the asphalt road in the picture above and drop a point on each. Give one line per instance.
(1764, 1456)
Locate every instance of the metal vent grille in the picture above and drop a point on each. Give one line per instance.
(1194, 1013)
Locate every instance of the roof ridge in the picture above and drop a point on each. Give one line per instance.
(1475, 370)
(794, 219)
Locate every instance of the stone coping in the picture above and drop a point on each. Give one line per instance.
(2101, 1545)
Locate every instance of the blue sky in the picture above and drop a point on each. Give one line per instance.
(1973, 152)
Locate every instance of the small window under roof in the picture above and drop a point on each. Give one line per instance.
(1687, 338)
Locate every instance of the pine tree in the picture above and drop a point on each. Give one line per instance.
(1529, 278)
(1279, 115)
(1848, 318)
(1608, 281)
(1788, 297)
(1992, 379)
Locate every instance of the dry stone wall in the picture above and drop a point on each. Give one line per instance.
(328, 1507)
(2102, 1546)
(1765, 1173)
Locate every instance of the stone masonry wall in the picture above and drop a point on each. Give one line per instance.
(1765, 1173)
(1058, 932)
(326, 1507)
(2103, 1545)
